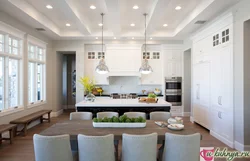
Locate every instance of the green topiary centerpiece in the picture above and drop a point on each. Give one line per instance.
(121, 119)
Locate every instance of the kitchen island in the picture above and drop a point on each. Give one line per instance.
(122, 105)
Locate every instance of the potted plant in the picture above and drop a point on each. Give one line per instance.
(88, 85)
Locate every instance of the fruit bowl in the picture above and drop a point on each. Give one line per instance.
(157, 92)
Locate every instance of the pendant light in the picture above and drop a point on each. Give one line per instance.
(145, 68)
(102, 68)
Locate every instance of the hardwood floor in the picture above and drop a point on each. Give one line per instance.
(22, 147)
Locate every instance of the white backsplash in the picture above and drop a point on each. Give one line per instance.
(126, 84)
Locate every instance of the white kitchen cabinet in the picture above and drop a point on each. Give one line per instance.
(172, 63)
(221, 125)
(201, 93)
(173, 68)
(221, 78)
(154, 78)
(91, 61)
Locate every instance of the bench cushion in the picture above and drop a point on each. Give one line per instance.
(30, 117)
(6, 127)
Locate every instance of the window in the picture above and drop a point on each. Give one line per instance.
(156, 55)
(36, 76)
(146, 55)
(216, 40)
(225, 36)
(10, 72)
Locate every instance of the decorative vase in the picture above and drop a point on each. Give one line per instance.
(90, 97)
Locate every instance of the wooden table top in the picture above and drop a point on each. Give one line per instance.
(73, 128)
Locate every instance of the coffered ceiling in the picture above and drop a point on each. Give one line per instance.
(119, 15)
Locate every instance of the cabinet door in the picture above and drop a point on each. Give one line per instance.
(173, 69)
(156, 76)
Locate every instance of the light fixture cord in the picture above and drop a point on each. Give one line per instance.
(102, 31)
(145, 34)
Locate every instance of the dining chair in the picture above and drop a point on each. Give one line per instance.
(96, 148)
(81, 116)
(139, 147)
(107, 114)
(182, 147)
(159, 116)
(135, 114)
(53, 148)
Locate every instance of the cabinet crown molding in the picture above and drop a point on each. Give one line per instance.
(123, 46)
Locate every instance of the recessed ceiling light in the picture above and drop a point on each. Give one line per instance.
(165, 25)
(132, 24)
(177, 7)
(92, 7)
(135, 7)
(49, 7)
(133, 38)
(96, 38)
(151, 38)
(100, 24)
(114, 37)
(67, 24)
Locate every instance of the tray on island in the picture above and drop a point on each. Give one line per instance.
(148, 100)
(119, 125)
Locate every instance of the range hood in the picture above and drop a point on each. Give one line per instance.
(124, 73)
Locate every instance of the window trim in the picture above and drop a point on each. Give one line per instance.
(38, 44)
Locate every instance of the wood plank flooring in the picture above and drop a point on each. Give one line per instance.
(22, 147)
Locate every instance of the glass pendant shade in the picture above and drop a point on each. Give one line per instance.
(145, 68)
(102, 67)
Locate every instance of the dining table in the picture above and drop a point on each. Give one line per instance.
(85, 127)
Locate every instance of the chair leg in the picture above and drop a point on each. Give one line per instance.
(116, 143)
(25, 130)
(11, 131)
(0, 138)
(49, 117)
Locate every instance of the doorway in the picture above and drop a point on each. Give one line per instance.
(187, 82)
(69, 80)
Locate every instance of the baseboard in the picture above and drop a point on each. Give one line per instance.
(57, 113)
(240, 147)
(222, 139)
(187, 114)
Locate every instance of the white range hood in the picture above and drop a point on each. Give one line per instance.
(123, 59)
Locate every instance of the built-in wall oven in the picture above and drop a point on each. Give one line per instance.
(173, 93)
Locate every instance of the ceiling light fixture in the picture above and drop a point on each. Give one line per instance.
(49, 7)
(92, 7)
(145, 67)
(102, 68)
(96, 38)
(133, 38)
(178, 8)
(100, 24)
(151, 38)
(114, 37)
(165, 25)
(67, 24)
(132, 24)
(135, 7)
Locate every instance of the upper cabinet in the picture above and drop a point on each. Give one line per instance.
(92, 60)
(155, 61)
(172, 64)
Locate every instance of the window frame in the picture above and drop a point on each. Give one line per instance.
(6, 56)
(38, 44)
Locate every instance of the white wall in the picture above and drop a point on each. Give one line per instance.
(19, 25)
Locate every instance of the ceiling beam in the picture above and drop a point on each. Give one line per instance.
(82, 21)
(37, 16)
(113, 14)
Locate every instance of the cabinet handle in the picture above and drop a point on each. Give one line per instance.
(219, 100)
(219, 115)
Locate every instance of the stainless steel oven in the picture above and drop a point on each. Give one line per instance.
(173, 93)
